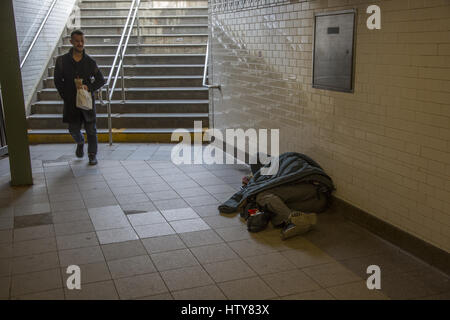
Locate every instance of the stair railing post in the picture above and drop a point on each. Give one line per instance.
(123, 82)
(108, 107)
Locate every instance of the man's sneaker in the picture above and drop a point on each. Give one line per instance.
(298, 223)
(80, 152)
(92, 159)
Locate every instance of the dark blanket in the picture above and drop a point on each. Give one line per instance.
(293, 167)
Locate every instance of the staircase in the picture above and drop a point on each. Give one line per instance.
(163, 77)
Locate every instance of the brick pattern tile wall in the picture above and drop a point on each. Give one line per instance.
(28, 15)
(387, 145)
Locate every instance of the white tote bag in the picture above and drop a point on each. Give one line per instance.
(84, 99)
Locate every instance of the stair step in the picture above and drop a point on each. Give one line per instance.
(147, 29)
(140, 59)
(132, 106)
(160, 20)
(124, 120)
(161, 135)
(153, 69)
(151, 81)
(142, 93)
(145, 12)
(144, 39)
(144, 4)
(143, 48)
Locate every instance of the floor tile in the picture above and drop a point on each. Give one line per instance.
(164, 243)
(331, 274)
(162, 296)
(6, 236)
(306, 257)
(5, 284)
(163, 195)
(80, 256)
(404, 286)
(201, 200)
(200, 238)
(54, 294)
(109, 217)
(123, 250)
(356, 291)
(229, 270)
(269, 263)
(189, 225)
(290, 282)
(131, 266)
(35, 282)
(186, 278)
(91, 272)
(32, 220)
(247, 289)
(179, 214)
(67, 205)
(140, 286)
(116, 235)
(30, 247)
(321, 294)
(250, 247)
(234, 233)
(223, 221)
(34, 208)
(140, 219)
(70, 216)
(104, 290)
(154, 230)
(173, 259)
(78, 240)
(214, 253)
(206, 211)
(100, 202)
(35, 262)
(170, 204)
(211, 292)
(192, 192)
(67, 228)
(140, 207)
(31, 233)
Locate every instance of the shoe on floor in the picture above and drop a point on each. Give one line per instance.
(298, 223)
(80, 152)
(92, 159)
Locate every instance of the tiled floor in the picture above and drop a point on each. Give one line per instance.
(140, 227)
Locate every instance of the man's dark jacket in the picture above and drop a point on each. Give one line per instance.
(66, 70)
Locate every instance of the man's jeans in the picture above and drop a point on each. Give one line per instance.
(91, 132)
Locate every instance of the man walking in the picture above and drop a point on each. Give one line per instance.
(74, 70)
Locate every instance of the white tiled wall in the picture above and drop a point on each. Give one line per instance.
(28, 16)
(387, 145)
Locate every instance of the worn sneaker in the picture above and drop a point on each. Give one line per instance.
(92, 159)
(298, 223)
(80, 152)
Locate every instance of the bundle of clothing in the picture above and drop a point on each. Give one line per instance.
(289, 199)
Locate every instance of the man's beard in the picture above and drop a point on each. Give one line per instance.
(78, 50)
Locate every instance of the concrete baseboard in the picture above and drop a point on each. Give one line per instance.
(432, 255)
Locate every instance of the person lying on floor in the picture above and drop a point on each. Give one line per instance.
(290, 198)
(292, 207)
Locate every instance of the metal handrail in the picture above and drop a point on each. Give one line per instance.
(120, 54)
(205, 70)
(37, 34)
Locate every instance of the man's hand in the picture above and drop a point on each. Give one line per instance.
(79, 84)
